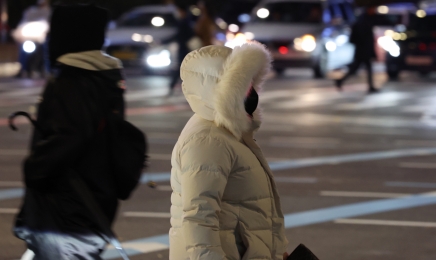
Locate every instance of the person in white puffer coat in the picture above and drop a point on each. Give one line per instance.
(225, 203)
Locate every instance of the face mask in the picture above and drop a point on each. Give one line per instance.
(251, 102)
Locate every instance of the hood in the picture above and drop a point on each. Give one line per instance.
(216, 80)
(91, 60)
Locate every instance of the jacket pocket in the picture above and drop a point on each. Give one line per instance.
(256, 243)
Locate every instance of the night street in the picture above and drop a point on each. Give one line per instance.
(356, 172)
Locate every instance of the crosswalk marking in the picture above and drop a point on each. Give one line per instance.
(361, 194)
(299, 219)
(386, 223)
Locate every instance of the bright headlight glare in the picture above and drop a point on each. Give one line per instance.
(238, 40)
(308, 43)
(389, 45)
(160, 60)
(249, 35)
(158, 21)
(35, 29)
(136, 37)
(330, 46)
(29, 46)
(262, 13)
(342, 39)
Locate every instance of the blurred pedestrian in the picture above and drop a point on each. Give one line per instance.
(182, 37)
(205, 26)
(72, 137)
(225, 203)
(362, 37)
(33, 29)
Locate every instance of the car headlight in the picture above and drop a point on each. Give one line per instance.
(159, 60)
(305, 43)
(29, 47)
(389, 45)
(330, 46)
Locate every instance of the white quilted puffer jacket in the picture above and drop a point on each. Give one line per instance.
(225, 203)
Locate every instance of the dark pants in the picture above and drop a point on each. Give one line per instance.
(175, 77)
(355, 66)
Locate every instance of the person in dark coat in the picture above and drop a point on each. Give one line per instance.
(182, 36)
(86, 86)
(362, 37)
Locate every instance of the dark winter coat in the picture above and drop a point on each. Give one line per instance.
(362, 36)
(74, 104)
(182, 36)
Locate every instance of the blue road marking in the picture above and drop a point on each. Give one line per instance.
(161, 239)
(11, 193)
(301, 163)
(411, 184)
(317, 216)
(357, 209)
(359, 157)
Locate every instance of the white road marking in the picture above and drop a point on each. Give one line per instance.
(13, 152)
(362, 194)
(313, 119)
(8, 211)
(386, 223)
(11, 184)
(147, 214)
(375, 131)
(304, 142)
(417, 165)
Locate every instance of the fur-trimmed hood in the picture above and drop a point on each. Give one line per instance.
(91, 60)
(216, 80)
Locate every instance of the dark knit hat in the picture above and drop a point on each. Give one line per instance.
(76, 28)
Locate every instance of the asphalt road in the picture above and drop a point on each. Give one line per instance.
(356, 172)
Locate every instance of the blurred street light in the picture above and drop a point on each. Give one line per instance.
(421, 13)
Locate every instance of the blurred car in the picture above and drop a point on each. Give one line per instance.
(413, 48)
(303, 33)
(135, 38)
(389, 18)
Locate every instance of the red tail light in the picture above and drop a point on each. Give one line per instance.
(283, 50)
(422, 47)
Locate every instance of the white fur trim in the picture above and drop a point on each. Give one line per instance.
(91, 60)
(248, 63)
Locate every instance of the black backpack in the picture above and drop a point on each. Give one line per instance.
(128, 154)
(128, 147)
